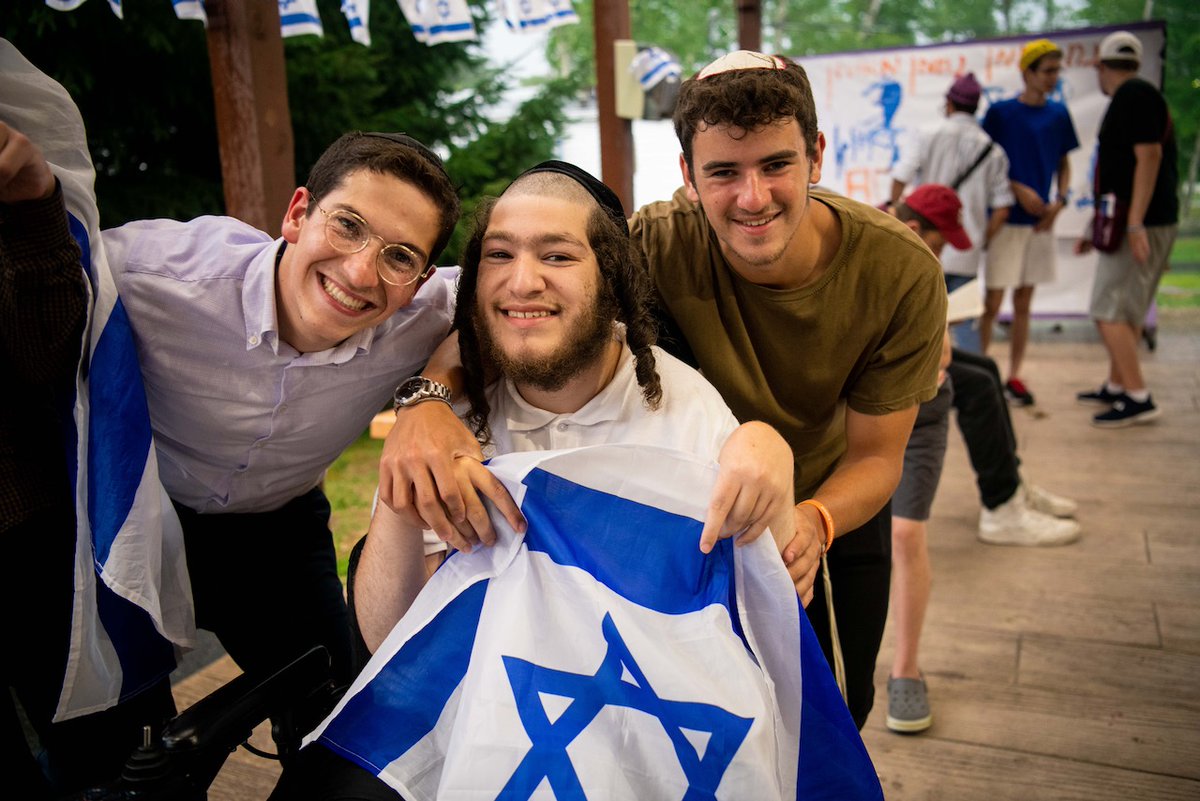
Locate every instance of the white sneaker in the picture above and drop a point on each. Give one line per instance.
(1041, 500)
(1015, 523)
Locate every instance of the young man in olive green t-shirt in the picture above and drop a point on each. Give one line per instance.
(812, 312)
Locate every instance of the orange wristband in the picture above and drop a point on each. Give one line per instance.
(826, 520)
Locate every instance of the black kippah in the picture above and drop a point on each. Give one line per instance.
(401, 138)
(607, 198)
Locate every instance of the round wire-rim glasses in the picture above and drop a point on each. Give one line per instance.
(397, 265)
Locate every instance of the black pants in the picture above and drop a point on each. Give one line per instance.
(860, 568)
(37, 598)
(266, 583)
(985, 425)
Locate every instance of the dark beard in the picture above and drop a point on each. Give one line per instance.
(552, 373)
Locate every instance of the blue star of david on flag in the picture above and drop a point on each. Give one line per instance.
(618, 682)
(601, 655)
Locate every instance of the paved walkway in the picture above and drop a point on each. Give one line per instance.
(1067, 673)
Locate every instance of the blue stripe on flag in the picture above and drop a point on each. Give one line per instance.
(118, 432)
(146, 657)
(833, 762)
(298, 19)
(400, 705)
(434, 30)
(119, 439)
(619, 533)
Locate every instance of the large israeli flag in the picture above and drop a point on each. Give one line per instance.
(132, 603)
(602, 656)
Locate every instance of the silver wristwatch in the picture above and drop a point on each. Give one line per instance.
(417, 389)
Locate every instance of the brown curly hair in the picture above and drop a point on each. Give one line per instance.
(748, 100)
(624, 286)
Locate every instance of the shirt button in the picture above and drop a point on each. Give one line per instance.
(562, 426)
(282, 408)
(253, 340)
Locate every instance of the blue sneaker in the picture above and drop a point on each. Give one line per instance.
(1126, 411)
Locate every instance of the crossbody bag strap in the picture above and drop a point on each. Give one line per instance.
(979, 160)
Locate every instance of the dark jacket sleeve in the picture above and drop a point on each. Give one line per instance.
(43, 299)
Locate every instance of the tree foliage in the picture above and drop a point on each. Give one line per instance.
(144, 89)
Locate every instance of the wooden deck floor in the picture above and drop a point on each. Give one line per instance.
(1065, 673)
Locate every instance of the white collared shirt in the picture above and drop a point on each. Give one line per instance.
(940, 155)
(691, 418)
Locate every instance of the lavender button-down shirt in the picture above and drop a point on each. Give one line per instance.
(242, 421)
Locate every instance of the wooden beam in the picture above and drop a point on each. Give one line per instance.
(254, 124)
(616, 134)
(749, 23)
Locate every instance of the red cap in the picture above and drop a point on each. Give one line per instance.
(941, 206)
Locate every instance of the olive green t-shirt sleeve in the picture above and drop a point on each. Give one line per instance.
(902, 370)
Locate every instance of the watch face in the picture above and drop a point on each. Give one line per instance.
(419, 388)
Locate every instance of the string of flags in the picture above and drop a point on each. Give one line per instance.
(432, 21)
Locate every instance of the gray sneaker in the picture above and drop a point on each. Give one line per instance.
(908, 706)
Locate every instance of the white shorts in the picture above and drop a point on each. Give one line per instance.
(1018, 256)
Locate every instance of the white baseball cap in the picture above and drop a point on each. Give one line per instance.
(1121, 46)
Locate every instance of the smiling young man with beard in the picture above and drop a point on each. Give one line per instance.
(555, 300)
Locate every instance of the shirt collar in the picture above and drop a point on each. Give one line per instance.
(262, 319)
(604, 408)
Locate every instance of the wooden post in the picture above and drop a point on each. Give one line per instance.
(749, 23)
(254, 124)
(616, 134)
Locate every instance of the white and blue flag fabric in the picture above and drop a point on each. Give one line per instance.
(437, 21)
(601, 655)
(358, 17)
(653, 65)
(71, 5)
(132, 597)
(190, 9)
(299, 18)
(527, 16)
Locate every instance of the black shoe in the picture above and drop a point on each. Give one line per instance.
(1126, 411)
(1016, 393)
(1098, 397)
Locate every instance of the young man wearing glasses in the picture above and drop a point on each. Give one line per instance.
(264, 358)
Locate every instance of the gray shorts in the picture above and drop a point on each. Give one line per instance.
(1123, 289)
(923, 457)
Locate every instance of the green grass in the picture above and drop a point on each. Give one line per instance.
(350, 484)
(1180, 290)
(1186, 251)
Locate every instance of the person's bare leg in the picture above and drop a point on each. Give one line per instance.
(1121, 340)
(911, 583)
(1019, 331)
(991, 307)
